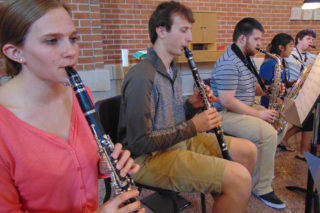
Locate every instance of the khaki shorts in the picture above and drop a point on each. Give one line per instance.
(196, 165)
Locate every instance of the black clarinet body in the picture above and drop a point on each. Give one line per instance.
(105, 145)
(201, 87)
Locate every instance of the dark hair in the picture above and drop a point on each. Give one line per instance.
(245, 27)
(304, 33)
(162, 16)
(282, 39)
(16, 18)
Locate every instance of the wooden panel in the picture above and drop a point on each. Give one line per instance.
(204, 28)
(203, 45)
(201, 56)
(196, 27)
(209, 27)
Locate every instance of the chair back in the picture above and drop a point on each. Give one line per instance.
(108, 112)
(206, 81)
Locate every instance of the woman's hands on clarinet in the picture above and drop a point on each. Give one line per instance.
(126, 165)
(116, 204)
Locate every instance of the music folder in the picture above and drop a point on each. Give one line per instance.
(298, 109)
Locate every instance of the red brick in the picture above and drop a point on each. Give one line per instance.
(83, 7)
(81, 15)
(85, 60)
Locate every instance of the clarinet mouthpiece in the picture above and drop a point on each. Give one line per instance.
(70, 69)
(187, 52)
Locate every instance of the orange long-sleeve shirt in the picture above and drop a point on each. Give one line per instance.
(40, 172)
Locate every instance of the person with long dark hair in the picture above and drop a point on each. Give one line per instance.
(281, 45)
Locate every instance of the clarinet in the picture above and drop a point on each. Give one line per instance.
(105, 146)
(201, 87)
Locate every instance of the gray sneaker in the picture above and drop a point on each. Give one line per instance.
(271, 199)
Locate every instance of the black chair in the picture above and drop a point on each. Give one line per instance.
(207, 81)
(108, 112)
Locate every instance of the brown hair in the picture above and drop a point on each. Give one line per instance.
(16, 18)
(162, 16)
(300, 35)
(246, 27)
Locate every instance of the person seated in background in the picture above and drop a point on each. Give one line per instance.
(299, 61)
(48, 159)
(234, 81)
(282, 46)
(166, 135)
(303, 42)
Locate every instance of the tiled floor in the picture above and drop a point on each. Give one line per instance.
(288, 172)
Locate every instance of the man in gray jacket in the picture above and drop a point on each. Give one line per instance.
(166, 134)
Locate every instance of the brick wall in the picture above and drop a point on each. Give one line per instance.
(87, 18)
(124, 22)
(107, 26)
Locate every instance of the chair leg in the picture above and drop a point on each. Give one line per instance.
(173, 197)
(203, 203)
(165, 202)
(107, 183)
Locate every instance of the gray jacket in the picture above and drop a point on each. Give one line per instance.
(152, 113)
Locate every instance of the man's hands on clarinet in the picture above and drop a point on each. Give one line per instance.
(196, 100)
(126, 165)
(209, 118)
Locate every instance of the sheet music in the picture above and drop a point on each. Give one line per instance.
(309, 92)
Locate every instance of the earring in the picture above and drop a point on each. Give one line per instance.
(21, 60)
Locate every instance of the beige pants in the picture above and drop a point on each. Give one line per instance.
(264, 136)
(194, 165)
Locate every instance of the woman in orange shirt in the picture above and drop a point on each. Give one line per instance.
(48, 159)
